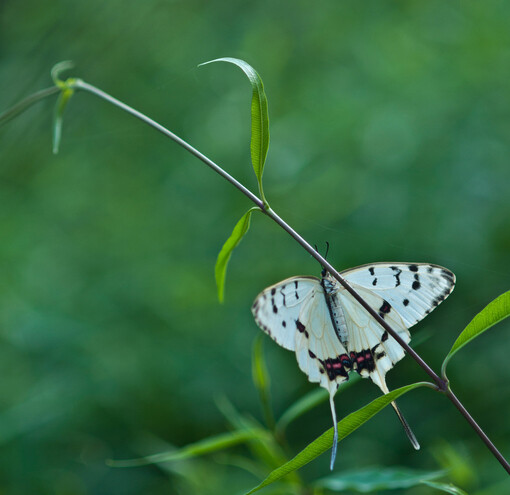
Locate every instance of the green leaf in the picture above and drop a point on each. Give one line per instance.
(309, 401)
(220, 270)
(445, 487)
(60, 107)
(494, 312)
(376, 479)
(259, 117)
(206, 446)
(345, 427)
(262, 380)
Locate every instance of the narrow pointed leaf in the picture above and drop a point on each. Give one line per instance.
(259, 115)
(376, 479)
(238, 233)
(345, 427)
(262, 380)
(206, 446)
(445, 487)
(60, 107)
(494, 312)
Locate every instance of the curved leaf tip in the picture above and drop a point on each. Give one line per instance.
(259, 117)
(496, 311)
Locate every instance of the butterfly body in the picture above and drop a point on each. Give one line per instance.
(332, 334)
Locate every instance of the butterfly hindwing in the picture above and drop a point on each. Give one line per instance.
(294, 313)
(372, 350)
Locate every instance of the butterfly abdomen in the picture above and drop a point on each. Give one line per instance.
(336, 312)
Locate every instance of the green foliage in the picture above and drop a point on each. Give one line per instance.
(60, 106)
(262, 380)
(105, 302)
(309, 401)
(377, 478)
(345, 427)
(493, 313)
(259, 118)
(205, 446)
(445, 487)
(231, 243)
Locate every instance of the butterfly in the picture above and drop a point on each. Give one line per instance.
(332, 334)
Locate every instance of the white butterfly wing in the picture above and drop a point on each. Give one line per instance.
(372, 350)
(412, 289)
(294, 313)
(277, 308)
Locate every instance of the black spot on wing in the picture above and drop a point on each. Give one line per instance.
(413, 268)
(405, 302)
(284, 323)
(300, 326)
(273, 291)
(448, 275)
(416, 284)
(371, 270)
(385, 307)
(374, 282)
(385, 336)
(311, 354)
(397, 273)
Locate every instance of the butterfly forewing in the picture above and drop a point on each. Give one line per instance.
(412, 289)
(277, 308)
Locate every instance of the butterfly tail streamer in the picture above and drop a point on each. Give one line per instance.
(335, 425)
(406, 426)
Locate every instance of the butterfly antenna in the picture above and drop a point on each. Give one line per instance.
(327, 250)
(335, 425)
(406, 426)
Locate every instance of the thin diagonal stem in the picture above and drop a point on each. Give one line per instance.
(485, 439)
(26, 103)
(78, 84)
(442, 385)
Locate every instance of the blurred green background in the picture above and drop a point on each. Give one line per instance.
(390, 138)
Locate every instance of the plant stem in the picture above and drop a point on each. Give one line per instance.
(27, 102)
(486, 440)
(442, 384)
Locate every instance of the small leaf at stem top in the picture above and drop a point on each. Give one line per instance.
(231, 243)
(494, 312)
(60, 107)
(259, 117)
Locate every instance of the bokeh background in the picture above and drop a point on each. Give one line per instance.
(390, 138)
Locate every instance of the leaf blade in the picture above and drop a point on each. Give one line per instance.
(259, 144)
(262, 380)
(202, 447)
(345, 427)
(220, 269)
(445, 487)
(375, 479)
(496, 311)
